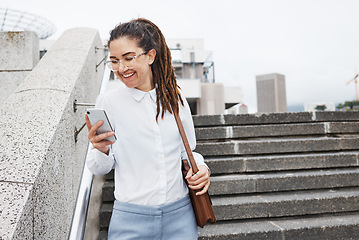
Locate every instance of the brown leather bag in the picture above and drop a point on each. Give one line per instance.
(202, 205)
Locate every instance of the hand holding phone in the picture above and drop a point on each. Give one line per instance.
(100, 141)
(96, 115)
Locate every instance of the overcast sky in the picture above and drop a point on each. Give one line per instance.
(314, 43)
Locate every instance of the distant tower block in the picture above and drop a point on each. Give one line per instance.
(271, 93)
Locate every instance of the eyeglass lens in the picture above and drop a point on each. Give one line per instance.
(128, 62)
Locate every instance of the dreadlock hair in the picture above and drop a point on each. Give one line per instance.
(148, 37)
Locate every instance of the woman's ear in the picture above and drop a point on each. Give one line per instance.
(151, 56)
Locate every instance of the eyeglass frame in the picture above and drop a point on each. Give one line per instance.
(119, 61)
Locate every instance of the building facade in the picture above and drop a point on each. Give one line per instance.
(271, 93)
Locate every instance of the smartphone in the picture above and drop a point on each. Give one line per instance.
(96, 115)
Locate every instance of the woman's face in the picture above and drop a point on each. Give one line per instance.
(139, 75)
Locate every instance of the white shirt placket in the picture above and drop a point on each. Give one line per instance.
(162, 172)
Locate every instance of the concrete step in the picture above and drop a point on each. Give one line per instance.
(270, 182)
(274, 118)
(107, 191)
(105, 215)
(285, 204)
(110, 176)
(275, 146)
(103, 235)
(248, 164)
(282, 181)
(330, 227)
(223, 165)
(276, 130)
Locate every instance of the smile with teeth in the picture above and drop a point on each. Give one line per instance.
(128, 75)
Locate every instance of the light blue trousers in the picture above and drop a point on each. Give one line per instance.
(165, 222)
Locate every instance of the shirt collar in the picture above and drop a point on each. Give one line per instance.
(138, 95)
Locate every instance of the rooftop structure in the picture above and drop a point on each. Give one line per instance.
(14, 20)
(190, 60)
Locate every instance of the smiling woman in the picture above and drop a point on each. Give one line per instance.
(141, 35)
(131, 65)
(151, 197)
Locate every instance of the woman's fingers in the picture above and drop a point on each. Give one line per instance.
(102, 145)
(98, 141)
(204, 190)
(94, 138)
(189, 174)
(199, 181)
(94, 128)
(101, 137)
(200, 176)
(88, 123)
(202, 187)
(198, 186)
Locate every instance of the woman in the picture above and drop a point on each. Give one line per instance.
(151, 198)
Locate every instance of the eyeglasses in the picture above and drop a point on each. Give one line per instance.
(129, 62)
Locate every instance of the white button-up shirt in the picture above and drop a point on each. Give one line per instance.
(147, 155)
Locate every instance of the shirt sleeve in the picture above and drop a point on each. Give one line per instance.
(98, 162)
(187, 121)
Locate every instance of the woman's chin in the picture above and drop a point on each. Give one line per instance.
(129, 84)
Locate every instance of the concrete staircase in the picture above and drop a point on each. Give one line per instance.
(277, 176)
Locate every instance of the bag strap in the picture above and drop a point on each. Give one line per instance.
(185, 143)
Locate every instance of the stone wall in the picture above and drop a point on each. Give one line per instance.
(40, 161)
(19, 53)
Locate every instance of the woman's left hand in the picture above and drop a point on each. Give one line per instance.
(199, 180)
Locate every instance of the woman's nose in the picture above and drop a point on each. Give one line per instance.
(122, 67)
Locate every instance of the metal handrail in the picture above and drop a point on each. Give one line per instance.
(78, 223)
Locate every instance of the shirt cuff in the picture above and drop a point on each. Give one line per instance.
(102, 158)
(104, 163)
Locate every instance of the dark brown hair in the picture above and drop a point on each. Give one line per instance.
(148, 37)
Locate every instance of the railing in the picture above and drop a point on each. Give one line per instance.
(78, 224)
